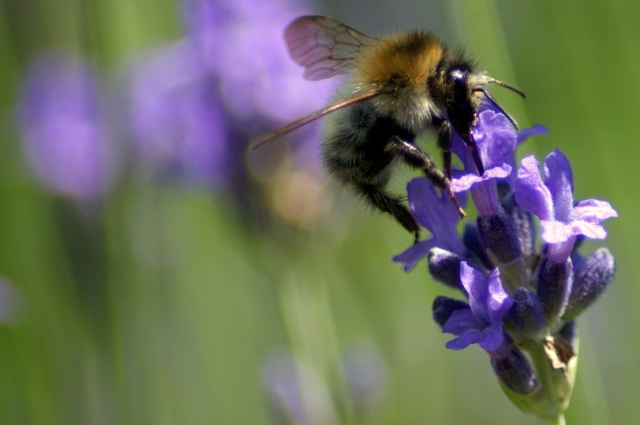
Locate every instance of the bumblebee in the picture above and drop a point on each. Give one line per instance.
(396, 88)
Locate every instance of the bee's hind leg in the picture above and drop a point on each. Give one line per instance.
(382, 200)
(417, 158)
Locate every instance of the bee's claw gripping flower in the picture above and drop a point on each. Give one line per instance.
(522, 295)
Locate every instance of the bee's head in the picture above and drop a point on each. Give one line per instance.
(455, 89)
(458, 84)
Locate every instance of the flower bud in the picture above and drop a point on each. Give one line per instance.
(444, 306)
(503, 247)
(526, 316)
(522, 221)
(473, 244)
(554, 285)
(515, 372)
(444, 266)
(590, 282)
(499, 236)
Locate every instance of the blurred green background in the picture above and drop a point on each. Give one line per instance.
(164, 303)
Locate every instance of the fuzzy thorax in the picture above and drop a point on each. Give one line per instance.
(402, 64)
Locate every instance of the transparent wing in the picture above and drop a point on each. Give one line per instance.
(360, 97)
(324, 46)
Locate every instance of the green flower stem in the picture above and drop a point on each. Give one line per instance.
(554, 382)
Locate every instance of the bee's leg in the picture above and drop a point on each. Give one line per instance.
(392, 205)
(444, 143)
(473, 147)
(417, 158)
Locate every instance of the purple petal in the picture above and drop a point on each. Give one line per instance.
(593, 211)
(430, 209)
(496, 139)
(461, 321)
(466, 181)
(499, 172)
(538, 129)
(555, 231)
(495, 136)
(460, 149)
(475, 284)
(499, 301)
(482, 322)
(559, 181)
(414, 254)
(531, 193)
(558, 232)
(590, 230)
(436, 213)
(492, 337)
(464, 340)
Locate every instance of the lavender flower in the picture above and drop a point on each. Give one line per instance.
(66, 139)
(366, 377)
(240, 42)
(521, 297)
(481, 323)
(552, 201)
(197, 103)
(437, 214)
(296, 392)
(178, 123)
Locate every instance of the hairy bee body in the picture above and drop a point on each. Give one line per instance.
(396, 88)
(358, 153)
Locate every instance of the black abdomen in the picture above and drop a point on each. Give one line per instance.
(356, 147)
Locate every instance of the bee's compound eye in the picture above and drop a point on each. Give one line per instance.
(458, 75)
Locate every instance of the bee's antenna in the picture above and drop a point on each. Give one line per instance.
(490, 98)
(509, 86)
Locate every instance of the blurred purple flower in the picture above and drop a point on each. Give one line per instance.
(178, 124)
(197, 103)
(296, 392)
(241, 41)
(366, 375)
(435, 213)
(482, 322)
(66, 142)
(552, 201)
(11, 302)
